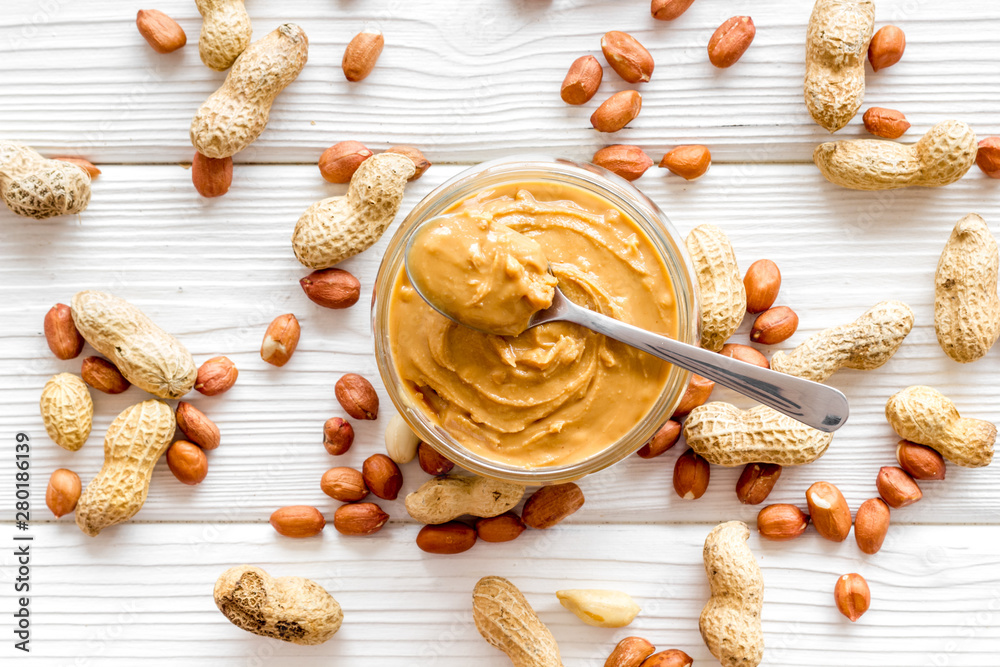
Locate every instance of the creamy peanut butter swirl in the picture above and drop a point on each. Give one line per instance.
(556, 393)
(480, 272)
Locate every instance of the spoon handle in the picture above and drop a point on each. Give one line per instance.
(817, 405)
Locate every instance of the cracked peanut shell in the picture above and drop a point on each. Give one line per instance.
(292, 609)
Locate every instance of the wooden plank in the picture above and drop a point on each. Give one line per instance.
(474, 80)
(215, 272)
(935, 595)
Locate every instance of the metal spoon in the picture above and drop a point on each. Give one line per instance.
(817, 405)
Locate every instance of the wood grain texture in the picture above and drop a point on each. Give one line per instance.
(477, 79)
(215, 272)
(150, 598)
(465, 82)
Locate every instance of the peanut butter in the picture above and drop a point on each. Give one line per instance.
(480, 272)
(555, 394)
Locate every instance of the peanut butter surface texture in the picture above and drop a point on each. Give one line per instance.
(480, 272)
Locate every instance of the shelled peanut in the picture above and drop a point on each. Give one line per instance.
(196, 426)
(102, 375)
(628, 58)
(361, 54)
(852, 596)
(617, 111)
(281, 339)
(871, 524)
(887, 47)
(688, 162)
(730, 41)
(829, 511)
(61, 334)
(358, 519)
(629, 162)
(188, 463)
(600, 608)
(401, 443)
(216, 376)
(338, 436)
(582, 80)
(344, 484)
(691, 475)
(63, 492)
(298, 521)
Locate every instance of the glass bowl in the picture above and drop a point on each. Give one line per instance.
(539, 169)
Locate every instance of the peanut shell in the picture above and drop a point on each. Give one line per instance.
(67, 410)
(145, 354)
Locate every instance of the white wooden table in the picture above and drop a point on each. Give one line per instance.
(466, 81)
